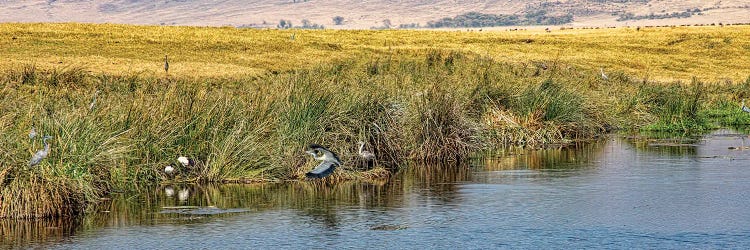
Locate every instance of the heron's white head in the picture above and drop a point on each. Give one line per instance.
(183, 160)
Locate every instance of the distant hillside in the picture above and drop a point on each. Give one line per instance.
(374, 14)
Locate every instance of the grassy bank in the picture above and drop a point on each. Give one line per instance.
(114, 131)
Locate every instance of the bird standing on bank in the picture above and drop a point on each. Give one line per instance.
(745, 108)
(366, 155)
(329, 161)
(92, 105)
(41, 154)
(604, 76)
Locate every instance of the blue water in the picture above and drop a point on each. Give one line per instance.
(618, 194)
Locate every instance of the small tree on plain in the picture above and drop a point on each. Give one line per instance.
(284, 24)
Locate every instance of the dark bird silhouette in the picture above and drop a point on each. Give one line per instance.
(166, 64)
(329, 161)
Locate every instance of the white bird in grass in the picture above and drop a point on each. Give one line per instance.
(329, 161)
(32, 133)
(169, 191)
(604, 76)
(183, 195)
(168, 169)
(366, 155)
(186, 162)
(41, 154)
(745, 108)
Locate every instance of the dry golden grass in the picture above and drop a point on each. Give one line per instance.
(710, 53)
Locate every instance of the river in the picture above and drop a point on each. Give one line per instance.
(620, 193)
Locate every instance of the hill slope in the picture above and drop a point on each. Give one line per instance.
(358, 14)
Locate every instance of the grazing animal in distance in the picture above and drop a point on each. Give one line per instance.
(329, 161)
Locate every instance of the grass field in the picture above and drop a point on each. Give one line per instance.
(244, 103)
(709, 53)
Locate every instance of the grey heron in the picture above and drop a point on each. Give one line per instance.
(366, 155)
(41, 154)
(32, 133)
(745, 108)
(329, 161)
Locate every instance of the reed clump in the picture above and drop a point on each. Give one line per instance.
(26, 195)
(117, 132)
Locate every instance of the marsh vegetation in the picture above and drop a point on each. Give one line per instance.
(114, 130)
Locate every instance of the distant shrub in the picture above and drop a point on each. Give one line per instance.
(685, 14)
(306, 24)
(477, 19)
(338, 20)
(284, 24)
(409, 26)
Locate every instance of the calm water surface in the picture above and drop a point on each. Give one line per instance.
(621, 193)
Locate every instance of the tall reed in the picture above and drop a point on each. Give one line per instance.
(113, 132)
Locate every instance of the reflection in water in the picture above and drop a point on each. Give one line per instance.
(24, 232)
(614, 194)
(681, 146)
(572, 156)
